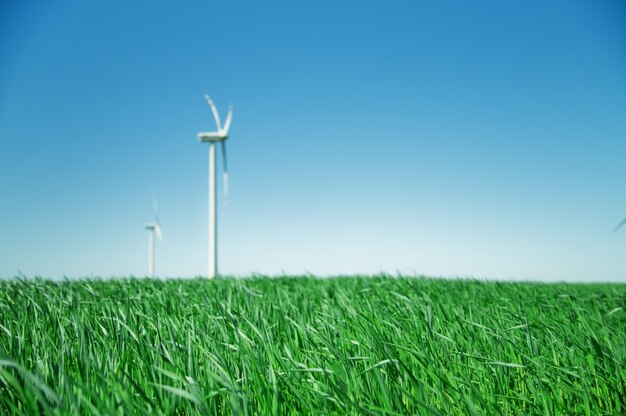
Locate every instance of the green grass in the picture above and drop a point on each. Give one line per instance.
(312, 346)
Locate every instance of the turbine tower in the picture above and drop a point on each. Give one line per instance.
(153, 228)
(214, 137)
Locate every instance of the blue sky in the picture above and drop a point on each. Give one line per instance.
(445, 138)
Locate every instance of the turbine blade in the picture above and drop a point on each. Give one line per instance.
(155, 205)
(618, 226)
(215, 113)
(225, 172)
(157, 229)
(225, 189)
(229, 117)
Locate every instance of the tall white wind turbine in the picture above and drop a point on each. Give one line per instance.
(153, 228)
(213, 137)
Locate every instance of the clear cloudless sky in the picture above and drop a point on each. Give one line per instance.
(446, 138)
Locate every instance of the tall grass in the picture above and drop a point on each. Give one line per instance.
(311, 346)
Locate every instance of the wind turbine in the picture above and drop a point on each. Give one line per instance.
(618, 226)
(213, 137)
(153, 228)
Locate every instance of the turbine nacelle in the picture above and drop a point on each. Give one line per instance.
(212, 137)
(156, 227)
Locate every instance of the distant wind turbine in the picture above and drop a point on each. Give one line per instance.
(153, 228)
(213, 137)
(618, 226)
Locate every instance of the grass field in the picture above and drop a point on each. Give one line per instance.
(312, 346)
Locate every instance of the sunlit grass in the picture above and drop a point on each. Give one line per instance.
(312, 346)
